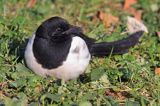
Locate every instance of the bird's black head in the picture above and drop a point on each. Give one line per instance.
(53, 41)
(53, 28)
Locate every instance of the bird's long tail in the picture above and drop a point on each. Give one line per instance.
(136, 30)
(116, 47)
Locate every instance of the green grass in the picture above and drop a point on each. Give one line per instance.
(127, 79)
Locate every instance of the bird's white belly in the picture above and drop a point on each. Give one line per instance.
(75, 64)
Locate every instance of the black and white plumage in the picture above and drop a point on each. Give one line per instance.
(62, 50)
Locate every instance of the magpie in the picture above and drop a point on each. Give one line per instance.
(63, 51)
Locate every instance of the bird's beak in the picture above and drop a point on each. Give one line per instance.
(73, 30)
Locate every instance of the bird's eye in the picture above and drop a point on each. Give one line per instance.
(58, 29)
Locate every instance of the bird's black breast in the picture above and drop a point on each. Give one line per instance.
(50, 54)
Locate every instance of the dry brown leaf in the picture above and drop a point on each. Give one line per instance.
(128, 3)
(158, 33)
(31, 3)
(133, 11)
(157, 71)
(136, 14)
(107, 19)
(120, 95)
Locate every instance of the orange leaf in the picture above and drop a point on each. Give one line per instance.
(136, 14)
(128, 3)
(31, 3)
(157, 71)
(107, 19)
(133, 11)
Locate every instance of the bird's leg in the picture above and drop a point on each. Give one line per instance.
(63, 83)
(62, 88)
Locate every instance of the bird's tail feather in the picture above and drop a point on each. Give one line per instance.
(116, 47)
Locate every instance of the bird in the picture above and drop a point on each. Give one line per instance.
(61, 50)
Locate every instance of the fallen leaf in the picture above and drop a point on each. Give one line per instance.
(157, 71)
(158, 33)
(31, 3)
(135, 13)
(135, 25)
(107, 19)
(120, 95)
(128, 3)
(127, 7)
(102, 16)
